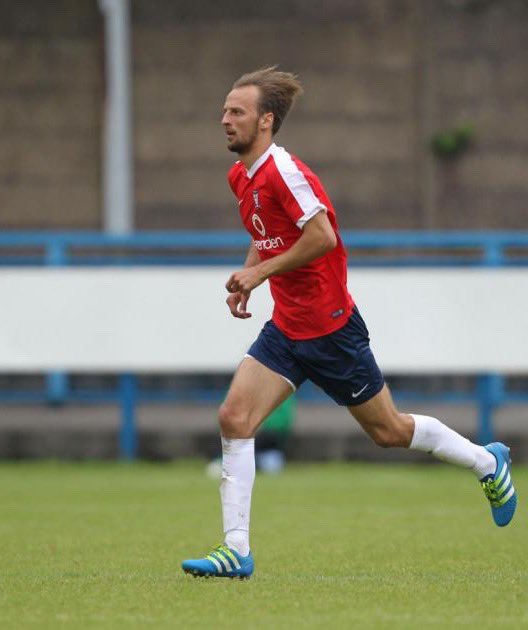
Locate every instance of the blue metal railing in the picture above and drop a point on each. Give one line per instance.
(196, 247)
(402, 248)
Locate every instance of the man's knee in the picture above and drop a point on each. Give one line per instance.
(394, 434)
(234, 422)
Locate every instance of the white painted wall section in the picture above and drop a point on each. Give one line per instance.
(176, 320)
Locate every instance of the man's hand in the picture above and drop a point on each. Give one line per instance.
(245, 280)
(237, 303)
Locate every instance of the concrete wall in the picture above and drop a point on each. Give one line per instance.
(355, 126)
(51, 91)
(381, 77)
(478, 72)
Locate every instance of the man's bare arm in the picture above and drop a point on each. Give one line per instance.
(252, 257)
(317, 239)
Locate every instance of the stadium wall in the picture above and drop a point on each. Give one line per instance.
(422, 321)
(382, 77)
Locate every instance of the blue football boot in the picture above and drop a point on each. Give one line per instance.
(221, 562)
(498, 487)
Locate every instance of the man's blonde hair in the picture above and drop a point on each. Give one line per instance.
(278, 92)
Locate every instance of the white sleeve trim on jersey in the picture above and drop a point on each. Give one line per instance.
(306, 217)
(298, 186)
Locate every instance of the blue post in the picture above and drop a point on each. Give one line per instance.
(57, 387)
(493, 254)
(128, 430)
(490, 394)
(56, 382)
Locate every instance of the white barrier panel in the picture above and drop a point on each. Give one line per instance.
(176, 320)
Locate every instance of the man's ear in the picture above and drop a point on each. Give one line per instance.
(266, 121)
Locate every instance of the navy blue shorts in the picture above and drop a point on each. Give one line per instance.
(341, 363)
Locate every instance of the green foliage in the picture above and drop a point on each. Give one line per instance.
(452, 142)
(336, 546)
(281, 420)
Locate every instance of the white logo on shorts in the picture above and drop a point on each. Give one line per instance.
(356, 394)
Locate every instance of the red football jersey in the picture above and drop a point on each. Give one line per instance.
(276, 197)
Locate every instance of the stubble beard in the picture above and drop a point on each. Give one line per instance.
(244, 146)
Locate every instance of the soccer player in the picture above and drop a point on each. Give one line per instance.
(316, 331)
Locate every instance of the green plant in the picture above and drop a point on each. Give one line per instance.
(451, 143)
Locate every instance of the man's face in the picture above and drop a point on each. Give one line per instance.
(241, 118)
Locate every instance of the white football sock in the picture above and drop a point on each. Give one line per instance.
(238, 475)
(431, 436)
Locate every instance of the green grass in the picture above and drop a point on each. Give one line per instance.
(336, 546)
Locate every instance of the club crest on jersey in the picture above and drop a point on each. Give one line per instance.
(256, 199)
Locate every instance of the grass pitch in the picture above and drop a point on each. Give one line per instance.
(344, 546)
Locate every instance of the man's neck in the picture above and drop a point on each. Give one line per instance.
(258, 149)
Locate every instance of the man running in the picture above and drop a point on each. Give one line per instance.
(316, 331)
